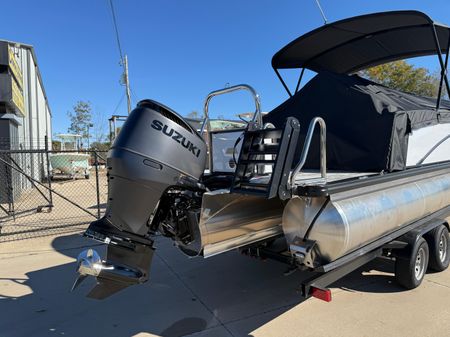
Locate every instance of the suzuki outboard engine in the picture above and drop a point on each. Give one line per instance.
(157, 156)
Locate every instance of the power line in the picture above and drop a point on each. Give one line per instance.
(116, 30)
(134, 95)
(118, 104)
(123, 59)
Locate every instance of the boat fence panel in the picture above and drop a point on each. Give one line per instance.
(45, 192)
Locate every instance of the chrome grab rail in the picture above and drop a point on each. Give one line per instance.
(323, 149)
(256, 120)
(420, 162)
(256, 117)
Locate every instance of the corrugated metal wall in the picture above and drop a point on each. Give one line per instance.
(31, 130)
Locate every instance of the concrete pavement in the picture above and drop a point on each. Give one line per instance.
(228, 295)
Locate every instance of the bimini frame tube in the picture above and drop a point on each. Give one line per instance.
(442, 64)
(256, 120)
(285, 58)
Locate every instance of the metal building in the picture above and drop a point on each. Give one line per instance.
(25, 120)
(25, 116)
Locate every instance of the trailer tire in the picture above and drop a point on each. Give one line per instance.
(410, 267)
(438, 240)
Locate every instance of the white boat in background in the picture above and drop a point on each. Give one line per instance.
(69, 162)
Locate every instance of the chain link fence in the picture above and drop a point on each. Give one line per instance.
(45, 192)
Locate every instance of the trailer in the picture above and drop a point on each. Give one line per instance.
(374, 181)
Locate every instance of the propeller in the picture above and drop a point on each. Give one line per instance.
(123, 267)
(88, 263)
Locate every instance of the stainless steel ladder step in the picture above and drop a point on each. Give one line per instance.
(253, 159)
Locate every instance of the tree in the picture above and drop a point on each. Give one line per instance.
(99, 150)
(405, 77)
(98, 132)
(56, 145)
(80, 119)
(100, 146)
(193, 114)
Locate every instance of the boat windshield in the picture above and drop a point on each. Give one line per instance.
(69, 142)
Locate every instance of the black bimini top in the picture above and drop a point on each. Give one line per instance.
(365, 41)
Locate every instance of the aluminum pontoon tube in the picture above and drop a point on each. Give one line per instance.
(356, 217)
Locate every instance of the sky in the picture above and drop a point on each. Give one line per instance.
(178, 50)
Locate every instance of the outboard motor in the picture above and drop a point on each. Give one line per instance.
(157, 156)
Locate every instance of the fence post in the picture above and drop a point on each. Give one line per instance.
(96, 183)
(49, 180)
(9, 191)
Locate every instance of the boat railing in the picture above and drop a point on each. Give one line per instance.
(255, 123)
(305, 150)
(420, 162)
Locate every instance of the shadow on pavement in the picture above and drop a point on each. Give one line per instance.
(183, 296)
(101, 206)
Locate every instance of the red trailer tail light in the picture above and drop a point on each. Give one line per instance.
(321, 294)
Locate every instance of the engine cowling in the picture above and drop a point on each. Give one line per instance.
(155, 149)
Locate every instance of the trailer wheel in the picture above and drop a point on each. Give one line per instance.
(438, 240)
(410, 269)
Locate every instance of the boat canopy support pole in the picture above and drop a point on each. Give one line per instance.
(299, 80)
(442, 64)
(282, 82)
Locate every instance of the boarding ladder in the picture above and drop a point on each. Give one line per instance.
(281, 144)
(264, 150)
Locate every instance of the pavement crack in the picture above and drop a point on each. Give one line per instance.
(286, 306)
(207, 329)
(44, 251)
(345, 289)
(193, 293)
(439, 284)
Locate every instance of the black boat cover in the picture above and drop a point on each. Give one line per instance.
(361, 42)
(367, 124)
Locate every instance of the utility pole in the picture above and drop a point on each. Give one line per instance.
(90, 125)
(126, 82)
